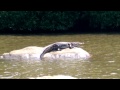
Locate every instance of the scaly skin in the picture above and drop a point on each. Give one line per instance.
(59, 46)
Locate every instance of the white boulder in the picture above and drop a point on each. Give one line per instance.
(34, 52)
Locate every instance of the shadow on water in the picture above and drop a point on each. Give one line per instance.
(53, 33)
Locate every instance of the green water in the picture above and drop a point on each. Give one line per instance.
(104, 63)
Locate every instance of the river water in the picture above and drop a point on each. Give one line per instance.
(104, 63)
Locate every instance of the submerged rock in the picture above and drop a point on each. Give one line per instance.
(54, 77)
(34, 52)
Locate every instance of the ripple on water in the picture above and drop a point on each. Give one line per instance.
(113, 73)
(111, 61)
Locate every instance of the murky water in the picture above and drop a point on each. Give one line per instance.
(104, 63)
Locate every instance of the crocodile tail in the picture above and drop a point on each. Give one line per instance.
(41, 56)
(53, 47)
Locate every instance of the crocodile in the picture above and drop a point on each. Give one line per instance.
(58, 46)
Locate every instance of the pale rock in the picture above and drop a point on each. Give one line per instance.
(34, 52)
(54, 77)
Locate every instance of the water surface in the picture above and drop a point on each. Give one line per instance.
(104, 63)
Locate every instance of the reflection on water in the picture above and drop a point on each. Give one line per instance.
(103, 64)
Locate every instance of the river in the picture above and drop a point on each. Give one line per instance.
(104, 63)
